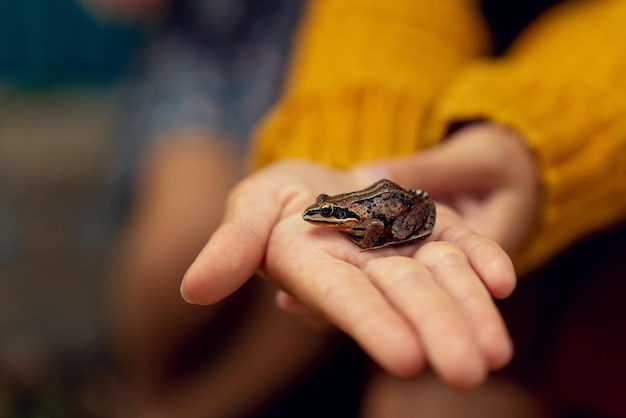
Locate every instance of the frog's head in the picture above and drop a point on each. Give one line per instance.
(327, 212)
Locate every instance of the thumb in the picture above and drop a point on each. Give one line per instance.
(236, 249)
(454, 165)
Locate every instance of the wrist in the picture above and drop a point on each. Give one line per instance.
(510, 149)
(512, 180)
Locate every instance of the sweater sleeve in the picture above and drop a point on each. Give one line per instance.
(364, 76)
(563, 87)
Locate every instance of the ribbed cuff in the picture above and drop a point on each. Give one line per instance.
(365, 76)
(577, 131)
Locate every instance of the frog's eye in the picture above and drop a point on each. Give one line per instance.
(326, 210)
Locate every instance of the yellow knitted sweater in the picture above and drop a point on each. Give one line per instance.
(375, 79)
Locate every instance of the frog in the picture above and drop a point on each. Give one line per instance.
(381, 215)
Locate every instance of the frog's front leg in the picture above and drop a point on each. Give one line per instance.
(368, 234)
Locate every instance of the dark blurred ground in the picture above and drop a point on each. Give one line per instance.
(57, 225)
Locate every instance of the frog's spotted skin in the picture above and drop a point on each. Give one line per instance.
(381, 215)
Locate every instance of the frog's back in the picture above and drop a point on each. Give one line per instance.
(385, 204)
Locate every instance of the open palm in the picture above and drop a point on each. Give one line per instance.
(425, 303)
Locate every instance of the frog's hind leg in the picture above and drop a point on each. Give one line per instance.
(411, 240)
(408, 241)
(403, 227)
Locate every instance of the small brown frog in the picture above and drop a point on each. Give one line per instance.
(381, 215)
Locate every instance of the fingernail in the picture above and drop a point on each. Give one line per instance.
(182, 287)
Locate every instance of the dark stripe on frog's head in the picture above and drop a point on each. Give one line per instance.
(328, 214)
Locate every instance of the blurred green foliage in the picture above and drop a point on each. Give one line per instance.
(52, 43)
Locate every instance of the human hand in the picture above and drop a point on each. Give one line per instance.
(485, 172)
(406, 306)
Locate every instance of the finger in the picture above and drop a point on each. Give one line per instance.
(445, 334)
(235, 251)
(453, 272)
(488, 259)
(442, 170)
(342, 294)
(506, 216)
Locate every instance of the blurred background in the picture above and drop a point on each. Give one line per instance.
(59, 93)
(62, 72)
